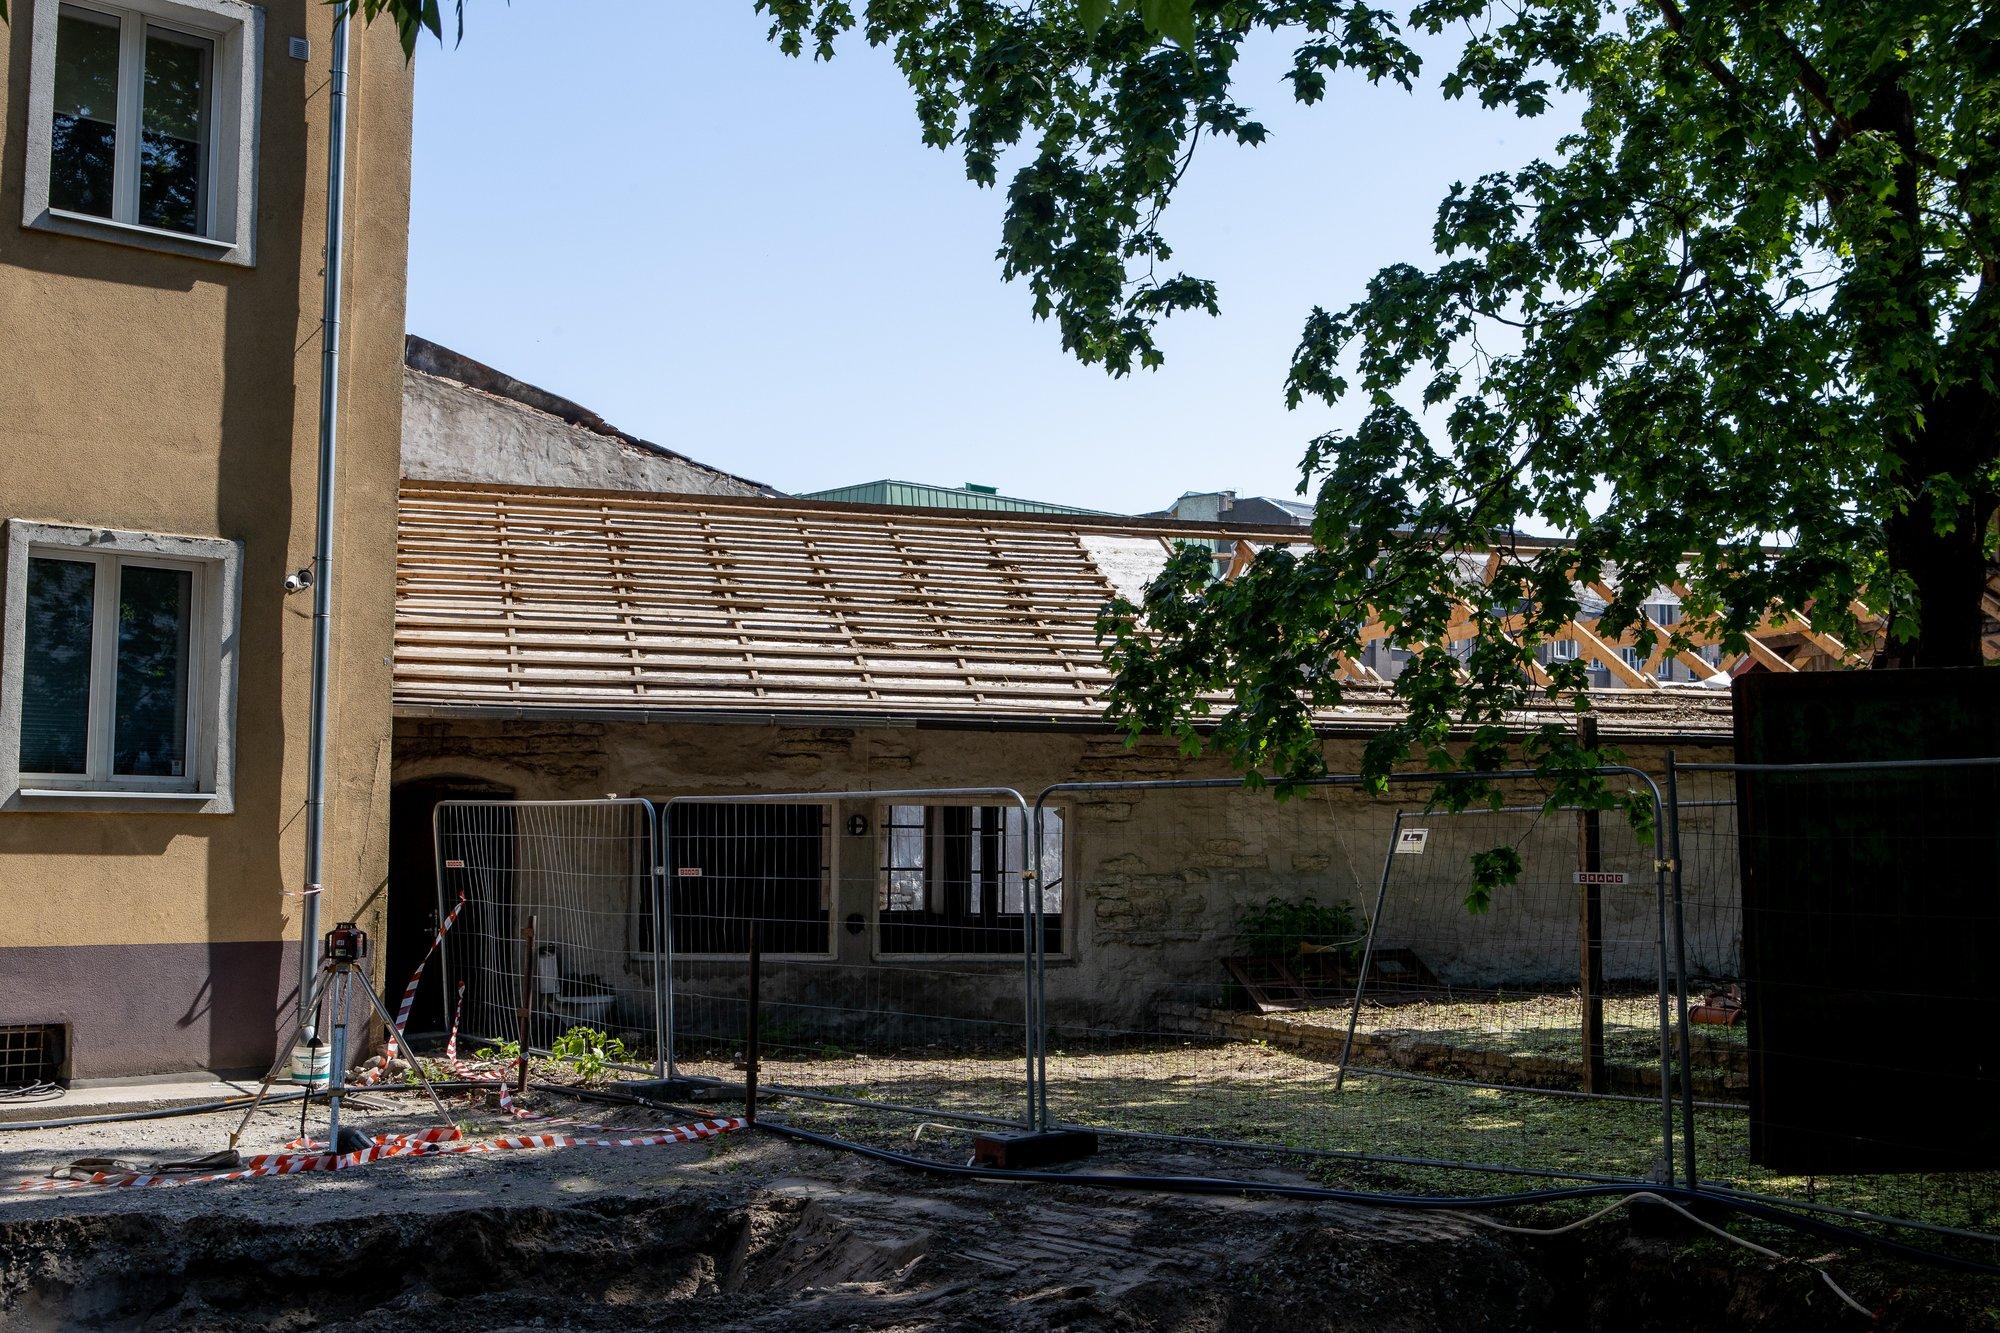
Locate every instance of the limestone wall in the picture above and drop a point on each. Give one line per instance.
(1154, 882)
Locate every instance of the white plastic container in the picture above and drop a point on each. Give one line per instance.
(312, 1063)
(586, 1010)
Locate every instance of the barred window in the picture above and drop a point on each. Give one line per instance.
(732, 864)
(953, 880)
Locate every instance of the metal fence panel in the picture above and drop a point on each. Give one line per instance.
(896, 932)
(583, 871)
(1191, 1024)
(1196, 961)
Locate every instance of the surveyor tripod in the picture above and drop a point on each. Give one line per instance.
(340, 975)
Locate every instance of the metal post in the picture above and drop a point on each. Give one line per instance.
(1367, 953)
(336, 1074)
(1590, 931)
(663, 979)
(444, 951)
(329, 423)
(1688, 1153)
(1666, 1061)
(1040, 1072)
(1032, 1114)
(751, 1037)
(663, 1051)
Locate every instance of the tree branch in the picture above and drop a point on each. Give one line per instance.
(1677, 21)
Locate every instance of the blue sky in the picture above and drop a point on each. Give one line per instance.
(644, 206)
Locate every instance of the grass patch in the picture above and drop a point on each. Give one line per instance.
(1257, 1094)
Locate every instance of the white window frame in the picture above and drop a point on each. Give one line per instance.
(1563, 650)
(208, 784)
(236, 31)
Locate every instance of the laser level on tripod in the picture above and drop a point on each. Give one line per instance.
(341, 973)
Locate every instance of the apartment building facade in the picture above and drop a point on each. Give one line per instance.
(161, 306)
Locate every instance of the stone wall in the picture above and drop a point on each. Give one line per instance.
(454, 431)
(1721, 1068)
(1155, 881)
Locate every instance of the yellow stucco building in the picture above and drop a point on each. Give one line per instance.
(162, 215)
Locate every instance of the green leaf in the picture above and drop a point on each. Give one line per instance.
(1172, 19)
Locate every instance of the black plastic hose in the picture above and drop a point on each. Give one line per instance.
(226, 1104)
(1211, 1185)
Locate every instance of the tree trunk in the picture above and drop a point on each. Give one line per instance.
(1950, 572)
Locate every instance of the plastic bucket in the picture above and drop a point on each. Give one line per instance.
(312, 1064)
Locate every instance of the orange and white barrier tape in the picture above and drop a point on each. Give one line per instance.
(429, 1143)
(380, 1068)
(410, 991)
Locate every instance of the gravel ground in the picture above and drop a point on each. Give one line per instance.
(752, 1231)
(422, 1184)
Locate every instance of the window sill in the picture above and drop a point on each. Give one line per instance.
(1010, 961)
(131, 233)
(118, 794)
(645, 957)
(50, 799)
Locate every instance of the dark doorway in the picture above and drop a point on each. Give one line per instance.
(413, 900)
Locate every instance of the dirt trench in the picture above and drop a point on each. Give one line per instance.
(888, 1253)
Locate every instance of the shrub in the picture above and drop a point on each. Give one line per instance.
(589, 1052)
(1284, 927)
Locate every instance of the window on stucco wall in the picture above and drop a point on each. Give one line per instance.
(119, 659)
(142, 123)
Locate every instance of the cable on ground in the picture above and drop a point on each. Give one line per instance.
(1649, 1196)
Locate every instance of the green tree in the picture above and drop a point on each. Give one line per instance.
(1737, 333)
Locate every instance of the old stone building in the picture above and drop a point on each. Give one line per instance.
(572, 645)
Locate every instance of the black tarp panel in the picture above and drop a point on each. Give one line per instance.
(1871, 921)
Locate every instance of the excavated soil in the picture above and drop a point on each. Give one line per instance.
(758, 1233)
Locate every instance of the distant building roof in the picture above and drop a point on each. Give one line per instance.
(516, 602)
(923, 495)
(1229, 507)
(465, 421)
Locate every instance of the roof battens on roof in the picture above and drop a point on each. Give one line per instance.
(514, 600)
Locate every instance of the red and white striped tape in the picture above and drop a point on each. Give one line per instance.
(457, 1012)
(410, 991)
(430, 1143)
(380, 1068)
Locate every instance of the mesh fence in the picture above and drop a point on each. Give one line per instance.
(1496, 991)
(1237, 945)
(1857, 970)
(1805, 1010)
(581, 872)
(895, 935)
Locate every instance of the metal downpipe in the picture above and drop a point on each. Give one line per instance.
(329, 436)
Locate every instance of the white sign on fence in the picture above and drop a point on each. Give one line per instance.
(1410, 841)
(1615, 878)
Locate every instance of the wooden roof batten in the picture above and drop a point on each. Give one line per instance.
(549, 600)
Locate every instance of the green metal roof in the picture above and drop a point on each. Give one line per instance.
(920, 495)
